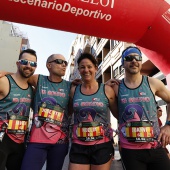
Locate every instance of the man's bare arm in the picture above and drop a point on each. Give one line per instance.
(161, 91)
(113, 105)
(4, 87)
(3, 73)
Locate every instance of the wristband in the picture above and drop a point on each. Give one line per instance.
(167, 122)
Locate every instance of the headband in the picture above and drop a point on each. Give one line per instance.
(129, 51)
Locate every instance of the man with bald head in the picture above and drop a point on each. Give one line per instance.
(49, 132)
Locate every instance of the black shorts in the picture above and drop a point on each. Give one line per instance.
(11, 154)
(145, 159)
(91, 154)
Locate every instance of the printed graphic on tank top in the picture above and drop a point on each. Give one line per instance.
(90, 117)
(14, 111)
(51, 118)
(138, 122)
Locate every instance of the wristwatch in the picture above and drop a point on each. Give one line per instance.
(167, 122)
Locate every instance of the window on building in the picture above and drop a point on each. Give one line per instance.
(98, 40)
(93, 51)
(116, 72)
(116, 42)
(122, 70)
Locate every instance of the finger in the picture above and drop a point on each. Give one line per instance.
(112, 86)
(115, 81)
(159, 137)
(168, 140)
(118, 81)
(163, 141)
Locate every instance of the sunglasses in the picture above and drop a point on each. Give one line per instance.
(25, 62)
(131, 57)
(59, 61)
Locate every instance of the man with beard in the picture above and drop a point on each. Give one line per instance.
(49, 133)
(142, 141)
(15, 101)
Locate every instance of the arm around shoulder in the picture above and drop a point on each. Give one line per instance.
(113, 105)
(3, 73)
(70, 106)
(33, 80)
(4, 87)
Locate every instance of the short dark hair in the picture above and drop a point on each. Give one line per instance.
(88, 56)
(30, 51)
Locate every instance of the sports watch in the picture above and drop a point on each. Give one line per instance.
(167, 122)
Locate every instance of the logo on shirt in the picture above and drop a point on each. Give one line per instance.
(16, 94)
(44, 87)
(124, 95)
(142, 93)
(61, 90)
(29, 95)
(95, 99)
(78, 99)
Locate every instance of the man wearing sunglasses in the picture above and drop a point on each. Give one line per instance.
(49, 133)
(15, 102)
(142, 141)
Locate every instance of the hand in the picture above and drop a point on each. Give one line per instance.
(164, 136)
(37, 122)
(3, 73)
(112, 82)
(76, 82)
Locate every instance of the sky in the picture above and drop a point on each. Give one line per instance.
(46, 42)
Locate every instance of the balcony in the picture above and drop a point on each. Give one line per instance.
(87, 46)
(101, 46)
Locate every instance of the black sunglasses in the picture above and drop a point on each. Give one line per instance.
(131, 57)
(59, 61)
(25, 62)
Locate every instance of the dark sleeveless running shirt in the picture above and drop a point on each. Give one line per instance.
(137, 105)
(53, 93)
(90, 108)
(17, 102)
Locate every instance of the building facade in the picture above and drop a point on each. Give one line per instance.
(12, 42)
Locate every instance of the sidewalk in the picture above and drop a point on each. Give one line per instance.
(116, 165)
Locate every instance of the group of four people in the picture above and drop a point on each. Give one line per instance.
(54, 100)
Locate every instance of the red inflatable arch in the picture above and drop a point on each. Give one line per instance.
(143, 22)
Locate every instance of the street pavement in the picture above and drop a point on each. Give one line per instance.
(116, 164)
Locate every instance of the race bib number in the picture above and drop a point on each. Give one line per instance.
(139, 131)
(49, 114)
(91, 133)
(17, 126)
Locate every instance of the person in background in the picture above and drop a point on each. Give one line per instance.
(91, 148)
(113, 141)
(138, 114)
(15, 102)
(111, 131)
